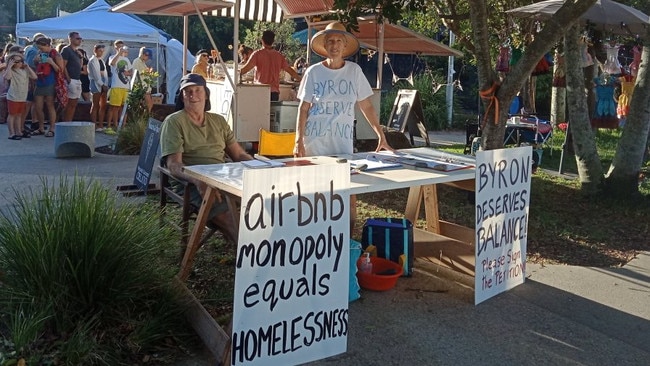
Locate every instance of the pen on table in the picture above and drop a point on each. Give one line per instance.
(260, 157)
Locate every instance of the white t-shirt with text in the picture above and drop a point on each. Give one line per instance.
(333, 95)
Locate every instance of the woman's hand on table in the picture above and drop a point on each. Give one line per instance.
(382, 144)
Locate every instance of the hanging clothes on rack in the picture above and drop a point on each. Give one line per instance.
(586, 60)
(515, 56)
(605, 114)
(503, 60)
(543, 66)
(612, 66)
(636, 60)
(623, 106)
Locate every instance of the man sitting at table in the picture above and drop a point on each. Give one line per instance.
(193, 136)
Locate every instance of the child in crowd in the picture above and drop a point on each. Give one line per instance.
(18, 75)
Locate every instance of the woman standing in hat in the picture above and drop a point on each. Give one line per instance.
(328, 93)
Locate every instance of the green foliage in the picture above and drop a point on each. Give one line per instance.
(47, 8)
(543, 89)
(129, 140)
(27, 325)
(136, 106)
(390, 10)
(83, 276)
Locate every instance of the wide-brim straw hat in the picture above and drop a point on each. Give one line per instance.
(318, 40)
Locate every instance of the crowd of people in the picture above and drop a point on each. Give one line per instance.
(46, 81)
(192, 135)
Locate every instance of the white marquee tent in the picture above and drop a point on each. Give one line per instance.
(97, 24)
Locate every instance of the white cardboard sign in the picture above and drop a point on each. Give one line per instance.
(291, 280)
(503, 180)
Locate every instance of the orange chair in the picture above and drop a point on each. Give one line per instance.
(276, 144)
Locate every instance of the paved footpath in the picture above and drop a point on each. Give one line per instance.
(561, 315)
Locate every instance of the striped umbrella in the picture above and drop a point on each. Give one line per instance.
(259, 10)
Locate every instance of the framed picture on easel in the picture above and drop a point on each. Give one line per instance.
(407, 115)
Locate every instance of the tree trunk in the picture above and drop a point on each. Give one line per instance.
(584, 142)
(589, 73)
(622, 177)
(558, 105)
(558, 93)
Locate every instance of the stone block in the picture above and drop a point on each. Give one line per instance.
(74, 139)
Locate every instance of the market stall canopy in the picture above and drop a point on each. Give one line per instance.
(259, 10)
(397, 39)
(171, 8)
(613, 17)
(303, 8)
(95, 22)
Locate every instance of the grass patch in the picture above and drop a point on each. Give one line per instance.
(85, 278)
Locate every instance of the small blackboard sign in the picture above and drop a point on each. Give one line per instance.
(407, 115)
(148, 154)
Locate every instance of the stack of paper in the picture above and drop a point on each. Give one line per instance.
(256, 164)
(371, 163)
(442, 163)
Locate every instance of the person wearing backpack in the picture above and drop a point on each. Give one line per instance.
(30, 51)
(47, 63)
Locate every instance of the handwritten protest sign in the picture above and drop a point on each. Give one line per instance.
(502, 204)
(291, 280)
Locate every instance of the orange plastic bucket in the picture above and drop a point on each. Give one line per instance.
(383, 277)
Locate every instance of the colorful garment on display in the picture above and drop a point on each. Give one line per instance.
(612, 66)
(586, 60)
(543, 66)
(503, 60)
(627, 88)
(515, 56)
(605, 114)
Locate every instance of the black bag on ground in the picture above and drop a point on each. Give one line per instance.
(393, 239)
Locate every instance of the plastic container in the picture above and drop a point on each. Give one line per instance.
(383, 277)
(157, 98)
(366, 264)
